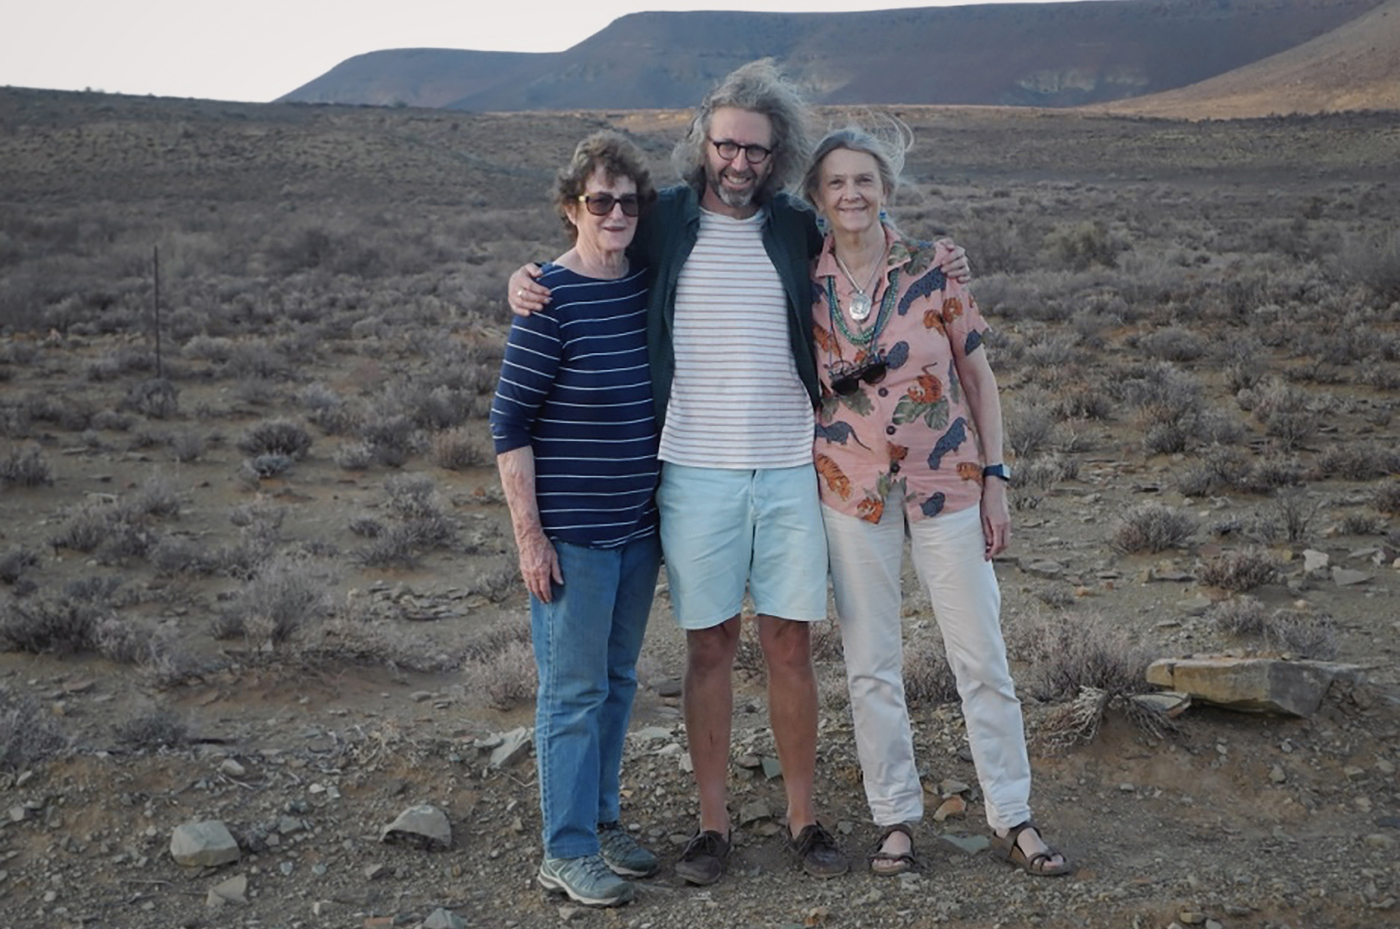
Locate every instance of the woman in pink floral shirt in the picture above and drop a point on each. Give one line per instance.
(909, 442)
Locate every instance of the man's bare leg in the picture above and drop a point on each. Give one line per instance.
(792, 711)
(708, 701)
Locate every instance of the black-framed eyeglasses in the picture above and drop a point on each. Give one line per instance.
(753, 154)
(602, 204)
(846, 377)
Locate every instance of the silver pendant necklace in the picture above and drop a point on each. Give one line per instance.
(860, 304)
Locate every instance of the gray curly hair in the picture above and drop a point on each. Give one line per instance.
(887, 152)
(758, 87)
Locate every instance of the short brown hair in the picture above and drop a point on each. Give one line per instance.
(617, 155)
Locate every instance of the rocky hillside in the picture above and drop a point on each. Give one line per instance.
(1054, 54)
(1353, 67)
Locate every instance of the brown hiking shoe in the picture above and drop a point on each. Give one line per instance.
(818, 852)
(704, 858)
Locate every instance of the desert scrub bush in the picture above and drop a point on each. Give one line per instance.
(151, 731)
(1361, 524)
(50, 623)
(506, 678)
(391, 438)
(495, 580)
(1068, 651)
(928, 678)
(1239, 570)
(28, 735)
(457, 450)
(326, 409)
(1358, 461)
(1387, 498)
(1078, 246)
(1295, 632)
(1160, 392)
(1295, 510)
(25, 466)
(156, 398)
(1153, 527)
(276, 437)
(186, 445)
(1374, 263)
(273, 607)
(1031, 426)
(14, 562)
(1173, 343)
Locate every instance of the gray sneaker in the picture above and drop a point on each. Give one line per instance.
(587, 880)
(624, 854)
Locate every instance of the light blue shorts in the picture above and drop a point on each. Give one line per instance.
(722, 529)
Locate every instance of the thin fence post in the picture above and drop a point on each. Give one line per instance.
(155, 268)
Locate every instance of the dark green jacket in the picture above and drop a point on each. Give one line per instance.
(665, 238)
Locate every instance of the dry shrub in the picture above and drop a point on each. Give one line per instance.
(27, 733)
(1153, 527)
(276, 437)
(1358, 461)
(1160, 393)
(1069, 651)
(1295, 509)
(1361, 524)
(496, 580)
(50, 623)
(1374, 263)
(1294, 632)
(1030, 428)
(500, 665)
(1078, 246)
(1079, 721)
(275, 605)
(456, 450)
(14, 562)
(151, 731)
(928, 678)
(156, 398)
(1387, 498)
(25, 467)
(1239, 570)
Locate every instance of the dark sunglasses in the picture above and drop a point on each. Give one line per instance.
(602, 204)
(753, 154)
(846, 377)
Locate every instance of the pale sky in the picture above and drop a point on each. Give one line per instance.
(258, 50)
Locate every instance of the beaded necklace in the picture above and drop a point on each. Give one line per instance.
(862, 337)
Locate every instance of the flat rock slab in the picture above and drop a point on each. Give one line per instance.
(205, 844)
(424, 826)
(1260, 685)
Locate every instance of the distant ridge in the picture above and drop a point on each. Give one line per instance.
(1027, 54)
(1354, 67)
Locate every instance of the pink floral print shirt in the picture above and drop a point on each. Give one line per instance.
(914, 426)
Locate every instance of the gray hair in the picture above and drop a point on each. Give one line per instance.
(888, 155)
(759, 88)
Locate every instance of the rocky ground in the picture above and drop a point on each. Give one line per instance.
(1236, 820)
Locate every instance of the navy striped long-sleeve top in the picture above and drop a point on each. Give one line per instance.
(576, 388)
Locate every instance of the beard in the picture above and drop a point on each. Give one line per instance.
(734, 199)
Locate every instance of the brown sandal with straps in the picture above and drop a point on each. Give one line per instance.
(887, 864)
(1006, 848)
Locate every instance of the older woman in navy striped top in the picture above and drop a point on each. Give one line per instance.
(575, 433)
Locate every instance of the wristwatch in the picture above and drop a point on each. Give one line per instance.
(997, 470)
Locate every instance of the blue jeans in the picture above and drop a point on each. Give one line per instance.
(586, 644)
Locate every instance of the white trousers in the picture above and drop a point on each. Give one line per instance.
(947, 552)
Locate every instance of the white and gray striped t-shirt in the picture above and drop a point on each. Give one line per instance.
(736, 400)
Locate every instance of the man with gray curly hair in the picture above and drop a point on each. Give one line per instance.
(731, 352)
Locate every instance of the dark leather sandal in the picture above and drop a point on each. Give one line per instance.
(886, 864)
(1007, 850)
